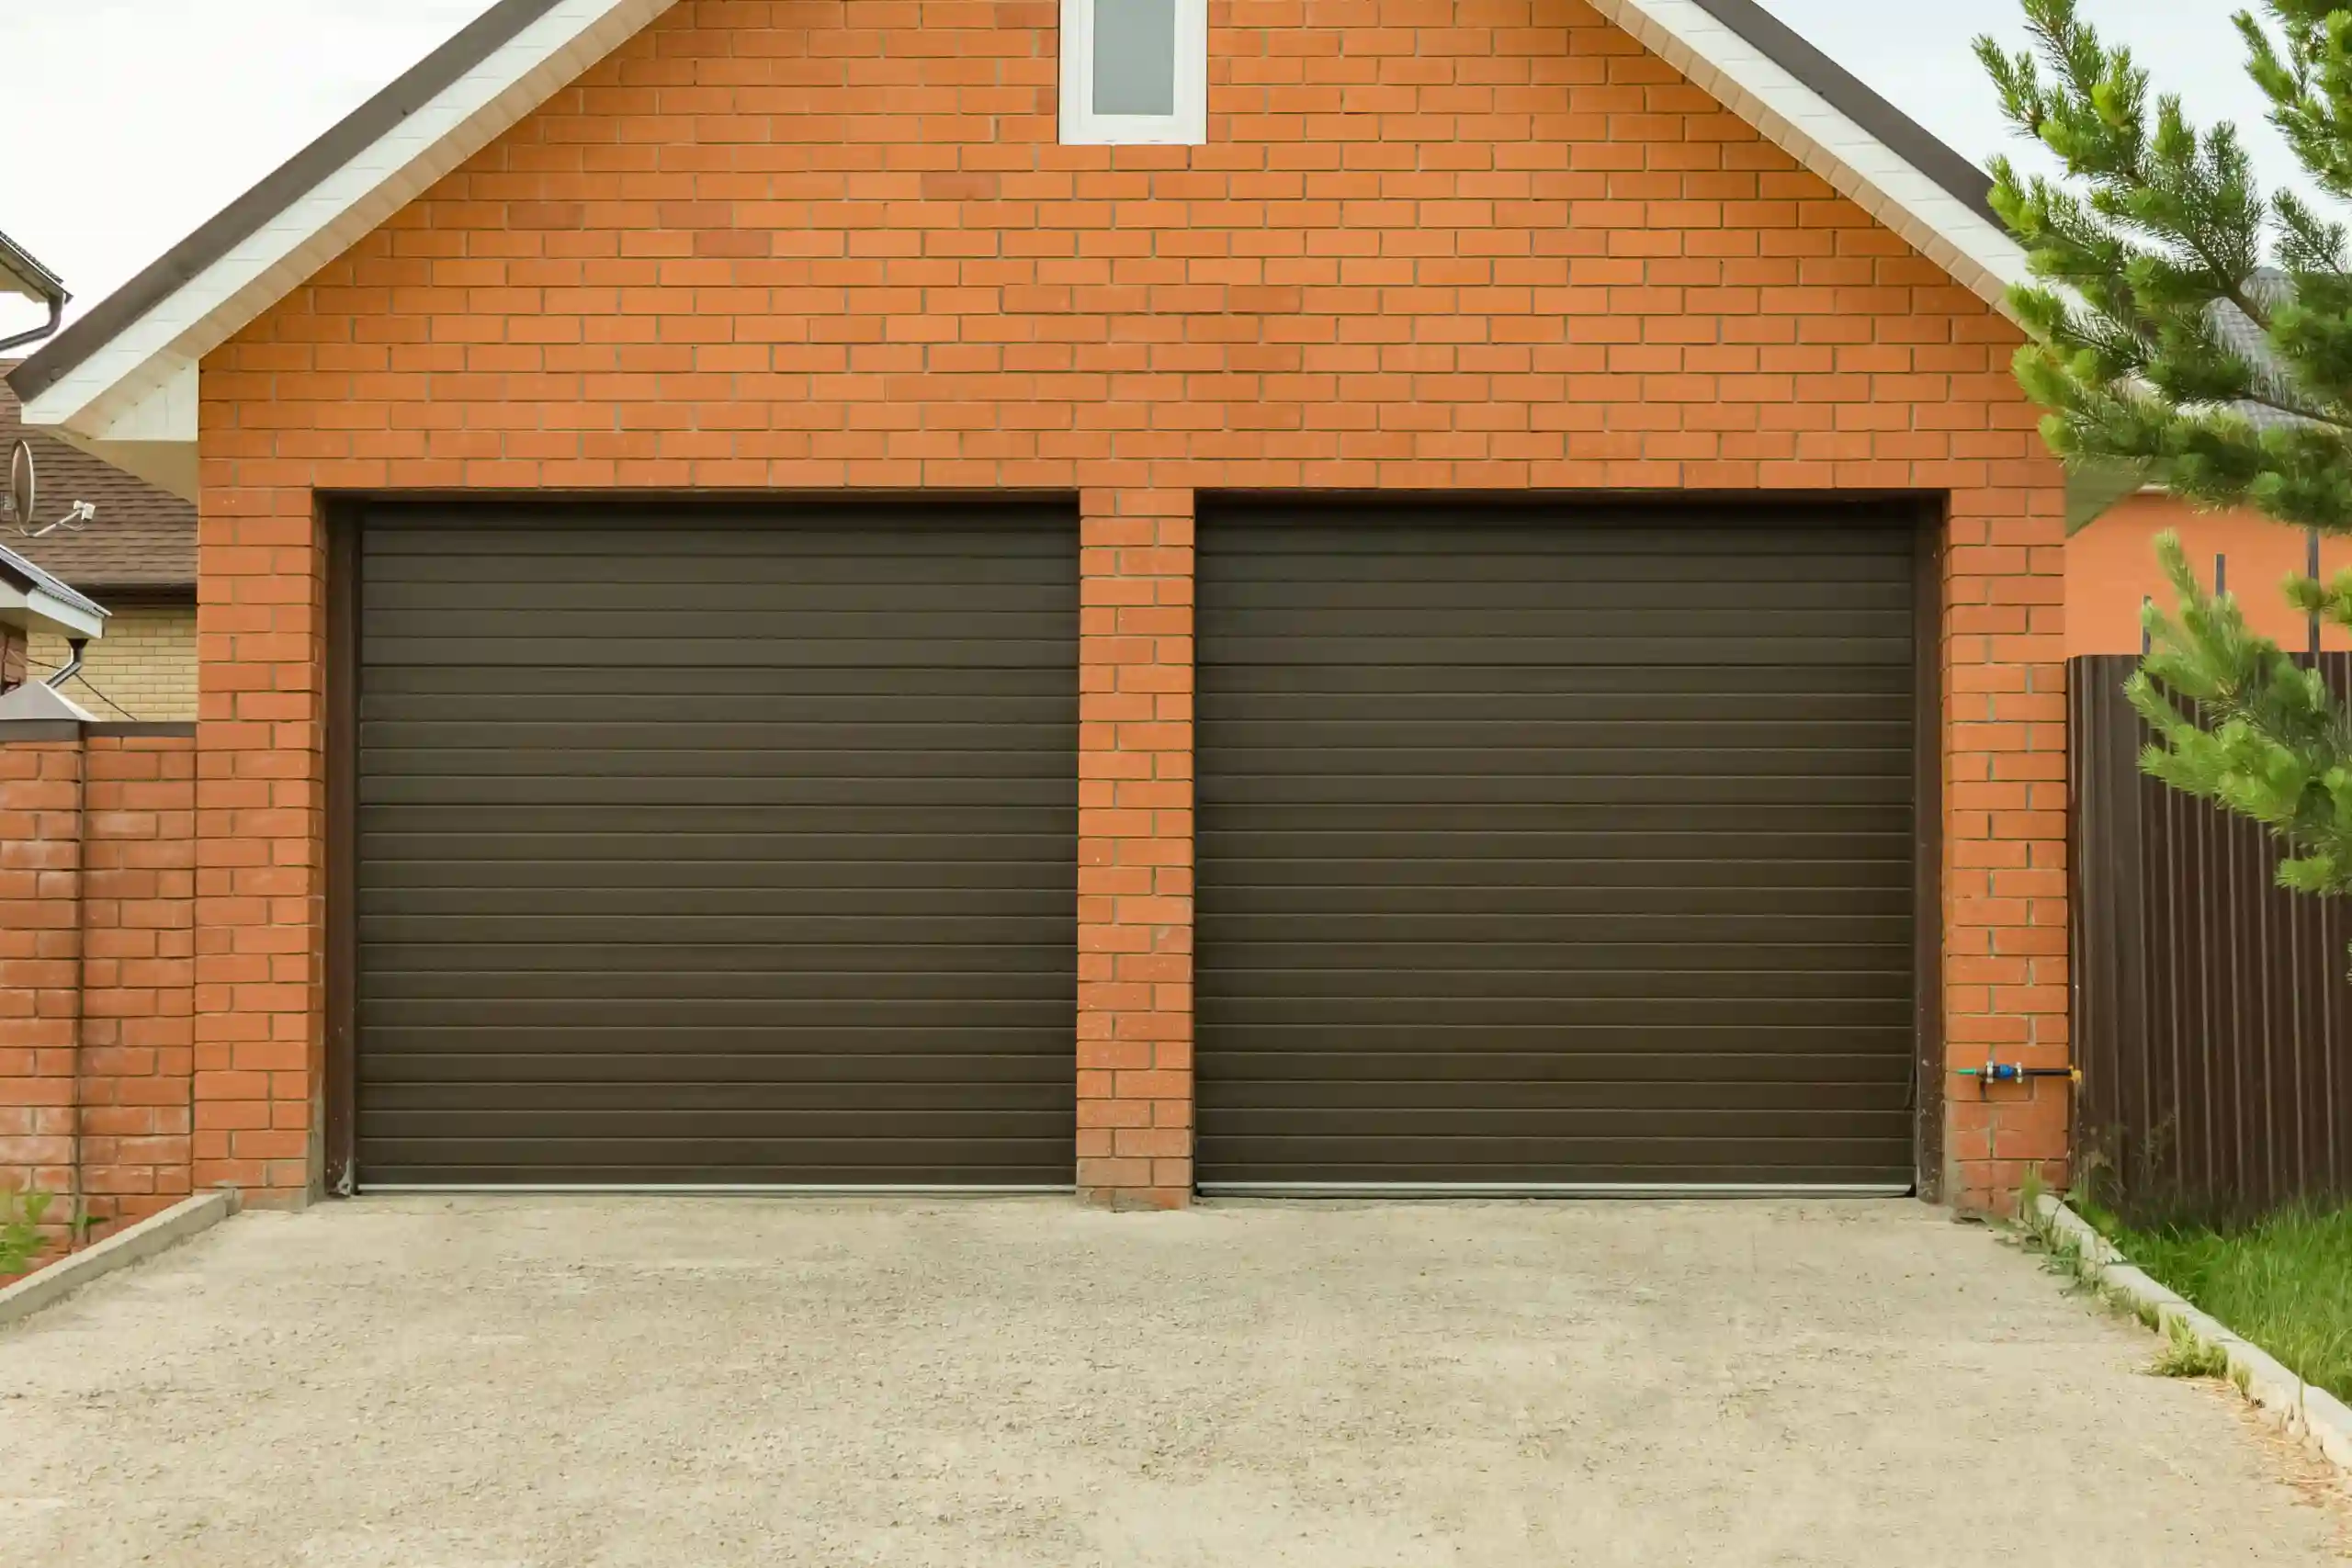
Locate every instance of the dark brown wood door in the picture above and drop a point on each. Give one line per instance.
(1556, 848)
(717, 848)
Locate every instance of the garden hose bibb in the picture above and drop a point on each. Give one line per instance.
(2014, 1072)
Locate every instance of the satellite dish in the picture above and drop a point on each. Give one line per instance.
(21, 488)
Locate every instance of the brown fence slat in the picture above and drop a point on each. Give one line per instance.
(2212, 1010)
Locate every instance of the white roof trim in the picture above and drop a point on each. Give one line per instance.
(155, 356)
(1978, 253)
(36, 609)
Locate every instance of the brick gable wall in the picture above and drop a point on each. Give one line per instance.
(1476, 244)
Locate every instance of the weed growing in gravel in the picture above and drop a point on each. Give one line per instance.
(2186, 1356)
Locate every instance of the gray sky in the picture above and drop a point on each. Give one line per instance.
(132, 121)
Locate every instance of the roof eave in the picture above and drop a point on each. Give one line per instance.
(32, 608)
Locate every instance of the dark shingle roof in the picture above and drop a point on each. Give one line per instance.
(144, 539)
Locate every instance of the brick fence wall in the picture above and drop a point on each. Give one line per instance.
(97, 900)
(1466, 244)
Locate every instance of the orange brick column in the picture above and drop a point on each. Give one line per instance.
(40, 958)
(261, 825)
(1134, 851)
(96, 942)
(138, 974)
(2004, 835)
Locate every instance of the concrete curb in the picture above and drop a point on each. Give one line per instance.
(148, 1236)
(2311, 1413)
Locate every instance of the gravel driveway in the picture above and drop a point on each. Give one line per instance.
(469, 1382)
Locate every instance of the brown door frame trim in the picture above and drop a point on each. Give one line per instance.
(1927, 836)
(341, 520)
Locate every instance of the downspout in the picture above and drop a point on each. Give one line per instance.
(33, 281)
(72, 665)
(56, 316)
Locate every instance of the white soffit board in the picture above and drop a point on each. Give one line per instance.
(1978, 253)
(140, 386)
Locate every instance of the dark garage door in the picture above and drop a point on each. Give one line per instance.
(1554, 850)
(712, 849)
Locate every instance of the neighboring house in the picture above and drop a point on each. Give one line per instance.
(2111, 571)
(757, 561)
(2111, 566)
(138, 557)
(35, 607)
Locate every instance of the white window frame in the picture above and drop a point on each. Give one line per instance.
(1188, 127)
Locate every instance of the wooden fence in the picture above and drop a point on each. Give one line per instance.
(2212, 1010)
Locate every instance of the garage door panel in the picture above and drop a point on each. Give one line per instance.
(597, 691)
(741, 606)
(413, 1079)
(690, 832)
(1414, 1074)
(1395, 1044)
(966, 773)
(1544, 635)
(734, 1113)
(853, 731)
(1510, 930)
(526, 1026)
(689, 652)
(1296, 882)
(616, 958)
(678, 1043)
(1629, 786)
(1569, 1006)
(1566, 650)
(1598, 1158)
(961, 987)
(946, 932)
(1242, 764)
(1607, 981)
(746, 1159)
(1597, 899)
(1554, 846)
(1440, 727)
(1596, 589)
(699, 847)
(708, 876)
(1448, 843)
(919, 795)
(689, 903)
(1612, 552)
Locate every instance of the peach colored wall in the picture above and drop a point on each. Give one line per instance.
(2111, 566)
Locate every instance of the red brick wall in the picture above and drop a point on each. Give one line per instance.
(97, 897)
(1134, 850)
(1475, 244)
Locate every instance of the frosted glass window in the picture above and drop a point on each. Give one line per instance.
(1135, 57)
(1135, 73)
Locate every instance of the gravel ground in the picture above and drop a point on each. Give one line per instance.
(469, 1383)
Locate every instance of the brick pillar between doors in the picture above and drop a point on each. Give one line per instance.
(1135, 849)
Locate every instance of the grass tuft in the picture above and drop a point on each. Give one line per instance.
(2186, 1356)
(2283, 1282)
